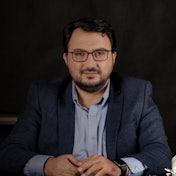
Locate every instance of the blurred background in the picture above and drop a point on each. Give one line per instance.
(31, 48)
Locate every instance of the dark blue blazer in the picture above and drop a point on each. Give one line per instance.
(134, 126)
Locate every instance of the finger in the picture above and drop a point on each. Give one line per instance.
(90, 159)
(93, 170)
(90, 166)
(100, 173)
(73, 160)
(84, 167)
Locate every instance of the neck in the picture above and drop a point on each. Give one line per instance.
(87, 99)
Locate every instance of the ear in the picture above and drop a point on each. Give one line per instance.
(114, 56)
(65, 58)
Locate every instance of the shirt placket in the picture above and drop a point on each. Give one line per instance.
(92, 131)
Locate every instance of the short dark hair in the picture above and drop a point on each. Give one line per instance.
(89, 25)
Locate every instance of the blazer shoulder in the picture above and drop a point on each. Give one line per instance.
(133, 84)
(49, 87)
(52, 83)
(134, 81)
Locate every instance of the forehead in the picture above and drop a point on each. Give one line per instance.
(88, 40)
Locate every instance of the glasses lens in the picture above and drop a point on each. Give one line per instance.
(79, 56)
(100, 55)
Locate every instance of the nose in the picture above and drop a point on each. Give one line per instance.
(90, 60)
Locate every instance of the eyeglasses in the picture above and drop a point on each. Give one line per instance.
(82, 56)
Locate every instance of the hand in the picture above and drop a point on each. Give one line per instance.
(64, 165)
(99, 166)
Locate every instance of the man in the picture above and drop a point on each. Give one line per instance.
(93, 122)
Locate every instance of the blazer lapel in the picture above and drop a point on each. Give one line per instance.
(66, 122)
(113, 120)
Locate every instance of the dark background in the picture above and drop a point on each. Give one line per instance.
(31, 46)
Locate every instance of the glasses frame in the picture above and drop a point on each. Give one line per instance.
(92, 53)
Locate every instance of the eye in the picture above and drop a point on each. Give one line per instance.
(79, 54)
(99, 53)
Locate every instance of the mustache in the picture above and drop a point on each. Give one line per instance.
(90, 70)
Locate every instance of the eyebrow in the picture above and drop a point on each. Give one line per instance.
(98, 49)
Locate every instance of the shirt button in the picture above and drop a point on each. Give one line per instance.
(93, 137)
(91, 114)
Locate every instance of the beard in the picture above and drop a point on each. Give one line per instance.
(91, 87)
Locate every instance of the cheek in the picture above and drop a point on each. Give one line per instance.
(74, 68)
(107, 66)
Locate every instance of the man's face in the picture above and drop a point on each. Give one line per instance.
(89, 75)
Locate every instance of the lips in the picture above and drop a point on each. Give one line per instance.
(90, 72)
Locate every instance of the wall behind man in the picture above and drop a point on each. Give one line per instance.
(31, 46)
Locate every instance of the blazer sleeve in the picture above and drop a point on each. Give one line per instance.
(19, 146)
(154, 150)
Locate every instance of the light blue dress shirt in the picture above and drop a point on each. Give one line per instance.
(90, 127)
(90, 137)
